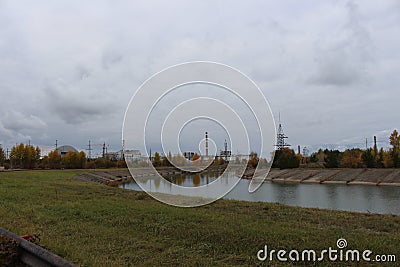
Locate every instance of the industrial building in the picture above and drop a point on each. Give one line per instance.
(65, 149)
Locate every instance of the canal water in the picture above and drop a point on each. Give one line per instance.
(359, 198)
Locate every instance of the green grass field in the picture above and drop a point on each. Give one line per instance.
(95, 225)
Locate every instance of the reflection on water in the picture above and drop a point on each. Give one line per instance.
(361, 198)
(193, 180)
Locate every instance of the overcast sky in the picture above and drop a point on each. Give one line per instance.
(69, 68)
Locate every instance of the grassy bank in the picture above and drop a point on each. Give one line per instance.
(95, 225)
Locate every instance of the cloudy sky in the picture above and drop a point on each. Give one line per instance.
(69, 68)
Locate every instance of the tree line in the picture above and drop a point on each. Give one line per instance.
(29, 157)
(350, 158)
(358, 158)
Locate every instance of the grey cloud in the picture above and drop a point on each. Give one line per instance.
(16, 128)
(16, 121)
(75, 108)
(74, 62)
(344, 58)
(82, 72)
(110, 58)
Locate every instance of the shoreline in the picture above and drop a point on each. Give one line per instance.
(374, 177)
(368, 177)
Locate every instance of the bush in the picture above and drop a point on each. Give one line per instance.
(332, 158)
(368, 158)
(285, 159)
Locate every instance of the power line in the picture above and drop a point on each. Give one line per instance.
(104, 149)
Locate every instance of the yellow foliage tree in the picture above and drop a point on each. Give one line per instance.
(24, 156)
(54, 160)
(352, 158)
(195, 157)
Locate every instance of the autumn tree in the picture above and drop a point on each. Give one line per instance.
(285, 159)
(368, 158)
(74, 160)
(314, 158)
(97, 163)
(165, 162)
(157, 160)
(380, 159)
(2, 156)
(216, 160)
(16, 156)
(24, 156)
(68, 159)
(81, 162)
(388, 159)
(54, 160)
(253, 160)
(351, 158)
(395, 142)
(196, 160)
(332, 158)
(195, 157)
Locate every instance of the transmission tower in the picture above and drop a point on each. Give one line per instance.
(280, 137)
(90, 150)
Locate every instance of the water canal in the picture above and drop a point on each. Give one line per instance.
(359, 198)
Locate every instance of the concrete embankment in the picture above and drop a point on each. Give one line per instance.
(116, 177)
(390, 177)
(109, 177)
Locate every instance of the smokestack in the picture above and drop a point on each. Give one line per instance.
(375, 141)
(298, 150)
(206, 144)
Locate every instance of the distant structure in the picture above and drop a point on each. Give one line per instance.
(225, 153)
(89, 150)
(280, 137)
(207, 144)
(123, 149)
(104, 148)
(188, 155)
(131, 154)
(65, 149)
(113, 155)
